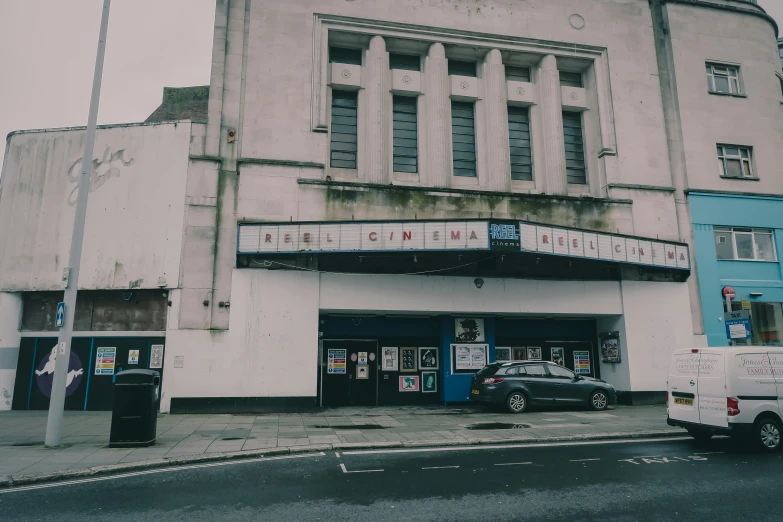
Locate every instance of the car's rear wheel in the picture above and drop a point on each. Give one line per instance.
(767, 434)
(700, 435)
(599, 400)
(516, 402)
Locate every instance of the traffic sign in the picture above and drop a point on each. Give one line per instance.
(745, 304)
(59, 319)
(729, 293)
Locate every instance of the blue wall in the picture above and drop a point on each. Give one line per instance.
(708, 210)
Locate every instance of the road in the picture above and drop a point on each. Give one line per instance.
(620, 481)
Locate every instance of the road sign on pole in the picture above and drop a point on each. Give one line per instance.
(54, 422)
(59, 319)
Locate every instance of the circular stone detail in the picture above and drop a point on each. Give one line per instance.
(346, 73)
(464, 85)
(407, 79)
(574, 96)
(576, 21)
(520, 90)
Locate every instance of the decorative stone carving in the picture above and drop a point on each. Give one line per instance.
(574, 96)
(407, 79)
(346, 73)
(520, 90)
(576, 21)
(464, 85)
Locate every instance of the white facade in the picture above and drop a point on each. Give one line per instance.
(169, 219)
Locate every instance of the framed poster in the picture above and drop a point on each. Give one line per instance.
(502, 354)
(156, 356)
(390, 361)
(362, 371)
(519, 353)
(408, 360)
(468, 358)
(468, 330)
(534, 353)
(557, 356)
(428, 358)
(581, 361)
(409, 383)
(610, 347)
(335, 362)
(429, 382)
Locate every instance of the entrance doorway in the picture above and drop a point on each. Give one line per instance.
(349, 373)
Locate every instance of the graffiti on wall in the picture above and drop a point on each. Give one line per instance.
(104, 169)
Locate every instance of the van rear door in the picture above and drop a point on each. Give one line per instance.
(776, 365)
(711, 388)
(683, 376)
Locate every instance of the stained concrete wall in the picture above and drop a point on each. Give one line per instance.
(133, 234)
(10, 320)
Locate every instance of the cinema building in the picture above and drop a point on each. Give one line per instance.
(378, 198)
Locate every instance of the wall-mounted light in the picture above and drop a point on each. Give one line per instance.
(756, 294)
(478, 282)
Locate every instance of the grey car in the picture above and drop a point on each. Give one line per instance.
(517, 385)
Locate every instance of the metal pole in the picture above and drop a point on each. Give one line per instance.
(728, 309)
(54, 422)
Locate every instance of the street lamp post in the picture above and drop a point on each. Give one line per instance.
(54, 422)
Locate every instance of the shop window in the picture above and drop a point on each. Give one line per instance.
(576, 169)
(735, 161)
(519, 143)
(569, 79)
(723, 79)
(748, 244)
(517, 74)
(766, 324)
(463, 135)
(406, 62)
(343, 144)
(343, 55)
(405, 135)
(461, 68)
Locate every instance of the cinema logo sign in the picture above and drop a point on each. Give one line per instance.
(352, 237)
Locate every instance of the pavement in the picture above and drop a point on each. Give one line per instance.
(622, 480)
(188, 439)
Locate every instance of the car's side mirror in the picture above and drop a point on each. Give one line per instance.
(578, 377)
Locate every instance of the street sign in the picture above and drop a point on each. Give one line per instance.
(737, 324)
(59, 319)
(729, 293)
(745, 304)
(736, 314)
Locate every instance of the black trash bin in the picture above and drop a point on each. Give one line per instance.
(134, 418)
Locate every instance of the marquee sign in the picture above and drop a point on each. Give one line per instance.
(505, 236)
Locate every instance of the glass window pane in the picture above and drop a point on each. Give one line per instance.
(721, 167)
(721, 84)
(732, 71)
(723, 246)
(764, 247)
(766, 326)
(720, 151)
(560, 372)
(735, 85)
(746, 167)
(720, 70)
(744, 153)
(709, 69)
(734, 168)
(731, 151)
(744, 245)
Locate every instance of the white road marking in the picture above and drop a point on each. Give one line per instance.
(337, 454)
(440, 467)
(647, 457)
(582, 460)
(513, 464)
(710, 453)
(359, 471)
(514, 446)
(152, 471)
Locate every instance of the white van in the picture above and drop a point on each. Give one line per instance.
(735, 391)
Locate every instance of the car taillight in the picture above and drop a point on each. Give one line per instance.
(732, 406)
(667, 397)
(493, 380)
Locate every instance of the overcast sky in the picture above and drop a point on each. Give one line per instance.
(47, 56)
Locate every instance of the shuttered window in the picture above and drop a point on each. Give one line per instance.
(342, 149)
(568, 79)
(517, 74)
(463, 136)
(459, 68)
(574, 148)
(406, 62)
(405, 136)
(519, 143)
(343, 55)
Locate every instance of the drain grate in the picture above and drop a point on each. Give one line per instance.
(497, 426)
(352, 427)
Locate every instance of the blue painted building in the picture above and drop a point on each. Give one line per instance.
(738, 241)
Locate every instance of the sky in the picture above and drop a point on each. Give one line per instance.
(47, 58)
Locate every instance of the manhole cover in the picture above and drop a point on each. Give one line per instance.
(496, 426)
(352, 427)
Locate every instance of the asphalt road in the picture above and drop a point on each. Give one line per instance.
(620, 481)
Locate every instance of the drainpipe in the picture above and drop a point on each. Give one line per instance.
(671, 112)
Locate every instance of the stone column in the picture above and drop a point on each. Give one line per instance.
(377, 85)
(552, 126)
(496, 112)
(437, 114)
